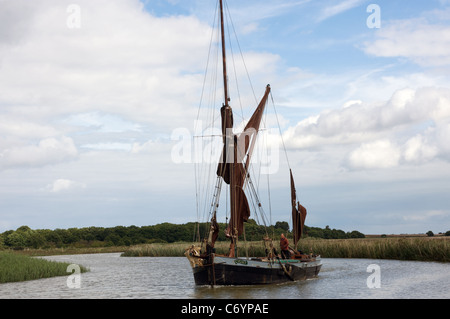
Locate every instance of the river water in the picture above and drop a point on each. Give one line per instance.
(112, 276)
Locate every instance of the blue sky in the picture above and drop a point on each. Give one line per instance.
(93, 91)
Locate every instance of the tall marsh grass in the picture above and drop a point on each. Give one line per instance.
(422, 249)
(15, 267)
(178, 249)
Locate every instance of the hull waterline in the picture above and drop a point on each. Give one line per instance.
(241, 271)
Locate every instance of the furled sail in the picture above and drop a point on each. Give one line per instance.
(298, 214)
(226, 157)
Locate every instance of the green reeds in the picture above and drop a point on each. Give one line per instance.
(15, 267)
(178, 249)
(422, 249)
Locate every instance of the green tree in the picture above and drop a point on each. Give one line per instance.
(282, 225)
(114, 239)
(356, 234)
(2, 241)
(35, 239)
(23, 229)
(15, 240)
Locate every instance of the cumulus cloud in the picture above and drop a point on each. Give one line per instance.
(408, 128)
(118, 73)
(47, 151)
(122, 70)
(378, 154)
(418, 149)
(122, 61)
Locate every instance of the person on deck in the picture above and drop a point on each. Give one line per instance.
(284, 246)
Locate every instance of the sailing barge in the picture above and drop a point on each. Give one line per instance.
(210, 268)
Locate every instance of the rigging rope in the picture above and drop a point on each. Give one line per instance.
(279, 129)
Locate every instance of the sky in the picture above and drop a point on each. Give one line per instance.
(96, 98)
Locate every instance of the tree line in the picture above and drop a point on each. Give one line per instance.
(25, 237)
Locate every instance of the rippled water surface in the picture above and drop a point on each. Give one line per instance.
(112, 276)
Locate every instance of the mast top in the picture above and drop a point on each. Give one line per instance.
(224, 59)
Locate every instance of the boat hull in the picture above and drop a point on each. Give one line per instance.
(240, 271)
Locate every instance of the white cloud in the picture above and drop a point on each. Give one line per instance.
(123, 70)
(332, 10)
(20, 128)
(409, 128)
(416, 39)
(63, 185)
(121, 61)
(378, 154)
(418, 150)
(47, 151)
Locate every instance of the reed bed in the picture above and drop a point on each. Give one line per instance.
(178, 249)
(421, 249)
(14, 267)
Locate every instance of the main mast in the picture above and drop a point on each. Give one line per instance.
(236, 148)
(229, 141)
(224, 169)
(224, 58)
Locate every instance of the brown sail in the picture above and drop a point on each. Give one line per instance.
(240, 210)
(298, 214)
(247, 138)
(226, 158)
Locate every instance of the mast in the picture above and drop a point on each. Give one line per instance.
(232, 170)
(224, 58)
(224, 168)
(236, 148)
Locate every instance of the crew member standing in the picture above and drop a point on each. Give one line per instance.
(284, 246)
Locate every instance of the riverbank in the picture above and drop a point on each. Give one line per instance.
(400, 248)
(15, 267)
(417, 248)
